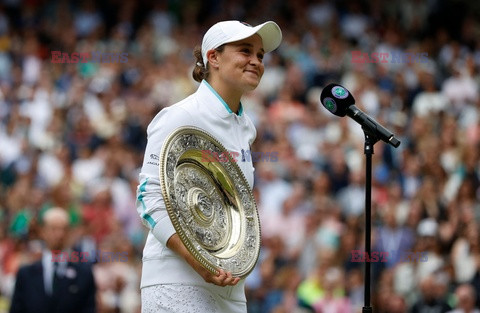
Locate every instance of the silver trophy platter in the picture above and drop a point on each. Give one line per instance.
(209, 202)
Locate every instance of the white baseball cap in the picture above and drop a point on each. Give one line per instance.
(231, 31)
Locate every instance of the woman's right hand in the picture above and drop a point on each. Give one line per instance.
(222, 278)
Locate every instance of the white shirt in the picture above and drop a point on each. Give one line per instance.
(47, 264)
(204, 109)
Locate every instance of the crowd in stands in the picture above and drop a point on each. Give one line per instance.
(72, 135)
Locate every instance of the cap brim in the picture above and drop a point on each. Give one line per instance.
(269, 32)
(271, 35)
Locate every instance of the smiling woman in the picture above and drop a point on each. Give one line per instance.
(229, 63)
(231, 57)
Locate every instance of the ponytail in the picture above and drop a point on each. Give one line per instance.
(200, 71)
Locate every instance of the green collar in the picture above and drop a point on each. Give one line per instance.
(240, 109)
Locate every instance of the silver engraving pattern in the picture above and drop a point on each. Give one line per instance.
(210, 203)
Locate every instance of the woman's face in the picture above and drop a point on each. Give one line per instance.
(240, 64)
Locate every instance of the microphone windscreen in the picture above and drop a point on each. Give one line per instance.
(336, 99)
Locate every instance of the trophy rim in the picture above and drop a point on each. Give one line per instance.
(172, 206)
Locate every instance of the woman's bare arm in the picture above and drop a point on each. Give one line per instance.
(221, 279)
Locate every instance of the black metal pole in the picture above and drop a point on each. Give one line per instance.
(369, 142)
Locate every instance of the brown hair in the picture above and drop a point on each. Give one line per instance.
(200, 71)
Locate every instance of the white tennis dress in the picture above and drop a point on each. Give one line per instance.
(192, 299)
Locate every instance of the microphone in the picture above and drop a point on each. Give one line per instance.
(339, 101)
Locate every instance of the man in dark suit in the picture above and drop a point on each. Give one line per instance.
(54, 284)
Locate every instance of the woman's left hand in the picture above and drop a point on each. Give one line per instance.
(221, 278)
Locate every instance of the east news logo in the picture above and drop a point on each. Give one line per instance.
(93, 57)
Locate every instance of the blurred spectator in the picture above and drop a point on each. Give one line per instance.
(55, 283)
(430, 100)
(117, 282)
(466, 297)
(273, 190)
(393, 238)
(429, 300)
(292, 216)
(352, 197)
(429, 244)
(283, 293)
(466, 254)
(332, 302)
(99, 213)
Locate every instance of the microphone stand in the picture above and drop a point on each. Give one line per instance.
(370, 140)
